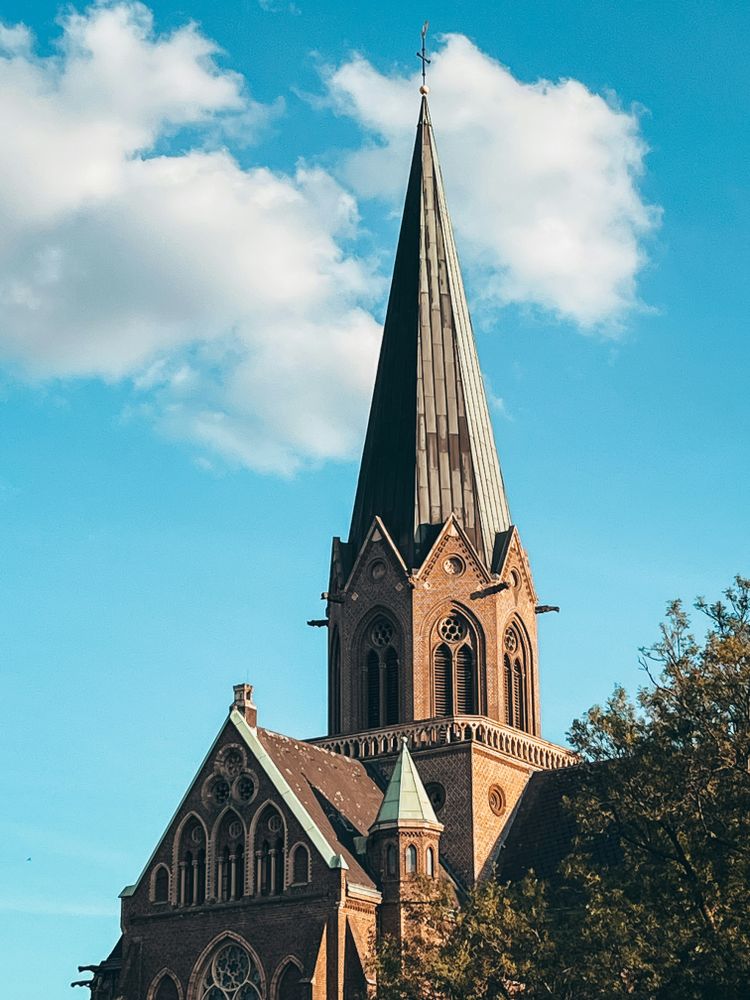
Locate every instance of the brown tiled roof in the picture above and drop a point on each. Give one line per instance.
(336, 791)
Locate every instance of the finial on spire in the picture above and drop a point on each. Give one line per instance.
(424, 89)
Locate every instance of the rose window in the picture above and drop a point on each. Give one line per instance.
(245, 788)
(511, 640)
(382, 632)
(452, 628)
(233, 762)
(453, 566)
(221, 792)
(231, 975)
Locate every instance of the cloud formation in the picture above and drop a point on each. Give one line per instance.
(134, 246)
(541, 177)
(222, 292)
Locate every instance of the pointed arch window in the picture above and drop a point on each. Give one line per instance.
(167, 989)
(231, 975)
(290, 983)
(430, 863)
(300, 865)
(454, 667)
(191, 886)
(229, 851)
(515, 678)
(270, 858)
(334, 684)
(411, 860)
(382, 674)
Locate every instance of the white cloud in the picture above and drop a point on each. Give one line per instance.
(541, 178)
(222, 293)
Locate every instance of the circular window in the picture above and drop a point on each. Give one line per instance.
(235, 829)
(511, 639)
(453, 566)
(274, 824)
(452, 628)
(220, 792)
(196, 835)
(232, 762)
(436, 795)
(496, 800)
(515, 579)
(382, 632)
(244, 789)
(378, 569)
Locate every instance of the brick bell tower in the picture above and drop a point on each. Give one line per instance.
(431, 607)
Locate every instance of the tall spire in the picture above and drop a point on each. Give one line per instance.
(429, 449)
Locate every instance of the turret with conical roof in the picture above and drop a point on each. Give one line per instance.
(404, 844)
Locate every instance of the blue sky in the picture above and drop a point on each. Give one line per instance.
(192, 272)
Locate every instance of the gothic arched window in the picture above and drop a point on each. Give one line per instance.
(167, 989)
(231, 975)
(430, 863)
(515, 678)
(191, 868)
(382, 674)
(269, 853)
(229, 851)
(411, 860)
(290, 983)
(454, 667)
(390, 860)
(334, 685)
(300, 865)
(161, 885)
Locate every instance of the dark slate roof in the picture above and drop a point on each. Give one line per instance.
(429, 449)
(337, 792)
(543, 831)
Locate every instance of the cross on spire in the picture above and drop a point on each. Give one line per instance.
(423, 56)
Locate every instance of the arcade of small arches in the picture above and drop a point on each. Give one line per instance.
(414, 861)
(234, 861)
(232, 971)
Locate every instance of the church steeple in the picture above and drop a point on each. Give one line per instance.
(431, 606)
(429, 450)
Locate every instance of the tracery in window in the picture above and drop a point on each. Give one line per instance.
(269, 853)
(231, 975)
(229, 851)
(515, 678)
(191, 866)
(381, 664)
(454, 667)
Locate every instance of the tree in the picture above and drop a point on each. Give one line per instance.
(653, 901)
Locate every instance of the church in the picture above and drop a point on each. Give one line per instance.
(285, 859)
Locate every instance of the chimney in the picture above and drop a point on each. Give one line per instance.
(243, 702)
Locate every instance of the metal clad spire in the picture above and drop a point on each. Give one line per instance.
(429, 450)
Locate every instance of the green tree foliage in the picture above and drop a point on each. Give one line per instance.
(654, 900)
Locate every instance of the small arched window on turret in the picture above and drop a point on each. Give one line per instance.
(430, 863)
(454, 667)
(515, 678)
(381, 674)
(411, 859)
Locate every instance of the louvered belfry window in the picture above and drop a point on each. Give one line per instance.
(454, 667)
(515, 679)
(382, 674)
